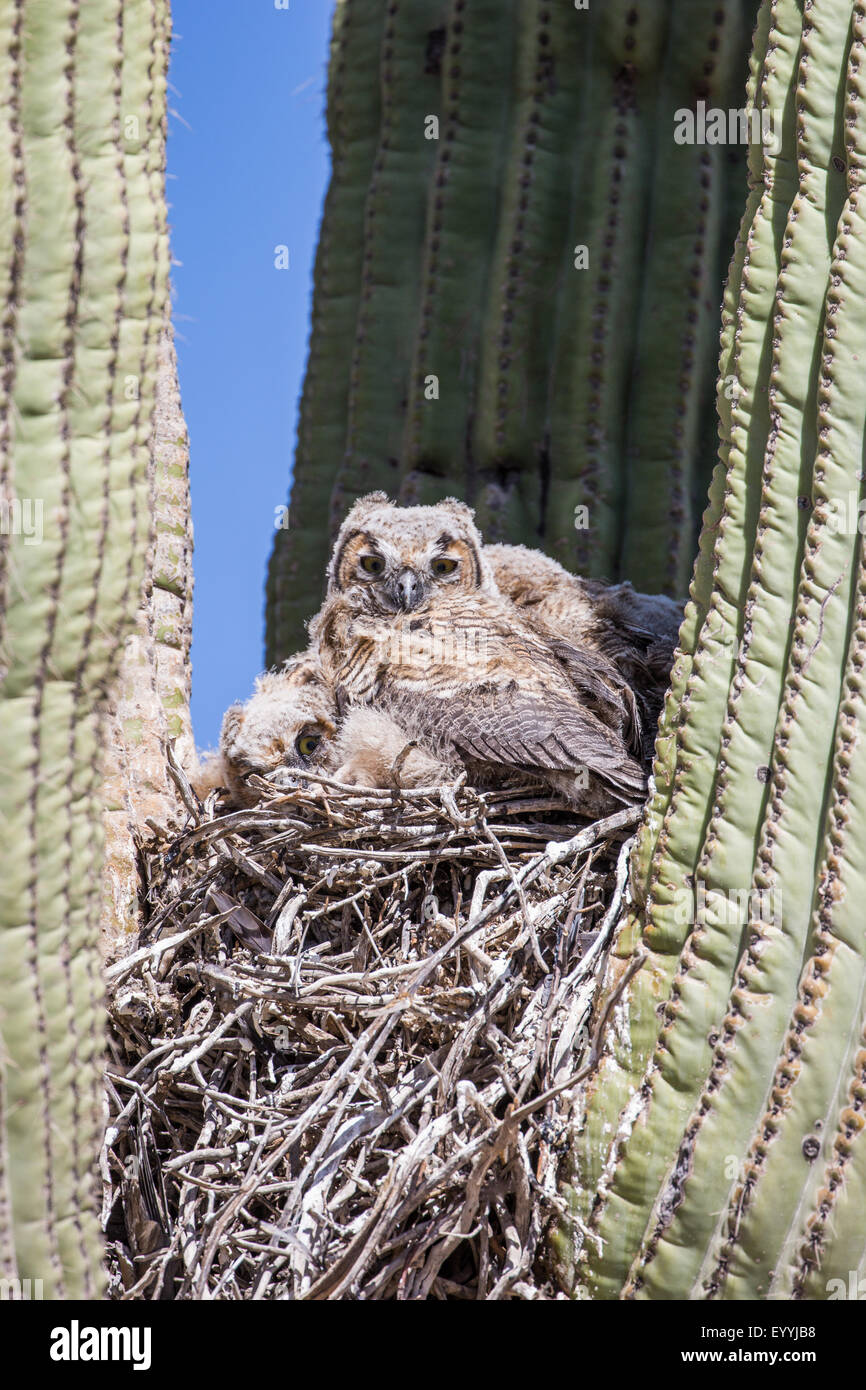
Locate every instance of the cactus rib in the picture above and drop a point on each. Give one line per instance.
(394, 218)
(85, 266)
(353, 112)
(737, 1164)
(467, 258)
(461, 220)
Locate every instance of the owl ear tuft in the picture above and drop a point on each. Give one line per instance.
(354, 522)
(462, 508)
(359, 509)
(299, 670)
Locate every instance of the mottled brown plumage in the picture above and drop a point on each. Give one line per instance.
(287, 726)
(637, 632)
(458, 667)
(434, 651)
(291, 725)
(373, 750)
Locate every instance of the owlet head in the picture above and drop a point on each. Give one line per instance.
(400, 557)
(287, 726)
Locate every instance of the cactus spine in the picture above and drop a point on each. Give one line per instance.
(461, 343)
(722, 1135)
(84, 271)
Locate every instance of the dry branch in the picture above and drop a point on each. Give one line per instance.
(345, 1049)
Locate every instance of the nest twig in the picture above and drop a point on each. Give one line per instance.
(345, 1052)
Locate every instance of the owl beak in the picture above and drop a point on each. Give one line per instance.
(408, 590)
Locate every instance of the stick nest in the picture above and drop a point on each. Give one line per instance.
(346, 1048)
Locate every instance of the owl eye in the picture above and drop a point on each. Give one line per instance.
(442, 565)
(372, 564)
(306, 744)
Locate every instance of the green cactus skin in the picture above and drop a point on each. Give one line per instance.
(84, 282)
(707, 645)
(684, 234)
(626, 73)
(455, 258)
(722, 1134)
(149, 699)
(515, 345)
(295, 586)
(471, 166)
(394, 220)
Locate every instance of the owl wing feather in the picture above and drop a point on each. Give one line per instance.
(520, 703)
(605, 690)
(519, 730)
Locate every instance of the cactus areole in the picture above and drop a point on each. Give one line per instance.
(518, 279)
(720, 1150)
(84, 267)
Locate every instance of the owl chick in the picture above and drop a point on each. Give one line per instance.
(637, 632)
(607, 615)
(403, 555)
(414, 626)
(373, 750)
(288, 725)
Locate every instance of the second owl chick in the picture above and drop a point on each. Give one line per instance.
(287, 726)
(290, 725)
(636, 632)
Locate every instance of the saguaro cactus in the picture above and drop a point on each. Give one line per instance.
(84, 267)
(518, 279)
(722, 1152)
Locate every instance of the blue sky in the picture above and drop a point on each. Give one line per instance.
(248, 165)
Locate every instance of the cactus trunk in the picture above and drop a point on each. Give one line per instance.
(84, 268)
(721, 1153)
(461, 344)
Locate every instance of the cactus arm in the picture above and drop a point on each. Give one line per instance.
(690, 966)
(670, 834)
(294, 584)
(527, 259)
(766, 975)
(87, 264)
(461, 226)
(760, 1049)
(689, 200)
(394, 225)
(48, 1023)
(813, 1066)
